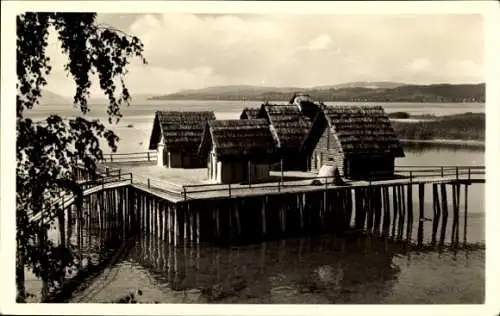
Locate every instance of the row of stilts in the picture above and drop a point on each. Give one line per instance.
(395, 212)
(399, 212)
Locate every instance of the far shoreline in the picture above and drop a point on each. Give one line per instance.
(462, 142)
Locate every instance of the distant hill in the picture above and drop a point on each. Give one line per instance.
(52, 98)
(350, 92)
(364, 84)
(49, 97)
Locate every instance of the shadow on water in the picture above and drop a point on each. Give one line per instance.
(317, 269)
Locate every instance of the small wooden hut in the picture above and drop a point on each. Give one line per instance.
(290, 128)
(176, 136)
(359, 141)
(238, 150)
(250, 113)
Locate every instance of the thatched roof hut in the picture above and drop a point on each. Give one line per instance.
(181, 131)
(233, 138)
(363, 130)
(250, 113)
(288, 124)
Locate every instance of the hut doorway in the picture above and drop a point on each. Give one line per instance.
(318, 161)
(213, 166)
(161, 155)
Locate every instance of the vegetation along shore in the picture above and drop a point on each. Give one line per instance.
(466, 128)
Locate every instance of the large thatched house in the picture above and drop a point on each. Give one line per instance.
(238, 150)
(176, 136)
(359, 141)
(250, 113)
(290, 129)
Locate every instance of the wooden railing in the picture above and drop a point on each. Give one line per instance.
(147, 182)
(406, 173)
(131, 157)
(65, 196)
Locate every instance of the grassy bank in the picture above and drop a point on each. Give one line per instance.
(466, 126)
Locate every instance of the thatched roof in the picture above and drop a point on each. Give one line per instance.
(301, 97)
(238, 137)
(250, 113)
(363, 130)
(181, 131)
(290, 126)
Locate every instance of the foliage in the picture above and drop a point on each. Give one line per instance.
(464, 126)
(48, 151)
(399, 115)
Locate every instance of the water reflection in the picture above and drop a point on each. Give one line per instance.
(329, 269)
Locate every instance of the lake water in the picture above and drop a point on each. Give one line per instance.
(134, 128)
(319, 269)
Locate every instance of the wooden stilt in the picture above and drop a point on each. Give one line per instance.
(175, 215)
(263, 216)
(466, 197)
(164, 222)
(444, 204)
(401, 212)
(437, 212)
(409, 208)
(395, 210)
(421, 216)
(457, 212)
(349, 208)
(454, 218)
(300, 205)
(198, 230)
(217, 222)
(387, 211)
(236, 211)
(378, 209)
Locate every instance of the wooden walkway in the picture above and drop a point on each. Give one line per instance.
(67, 199)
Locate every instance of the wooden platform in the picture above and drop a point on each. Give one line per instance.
(178, 184)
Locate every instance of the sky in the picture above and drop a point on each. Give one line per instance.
(190, 51)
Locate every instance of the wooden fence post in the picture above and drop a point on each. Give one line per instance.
(229, 189)
(149, 158)
(456, 172)
(111, 157)
(442, 172)
(149, 184)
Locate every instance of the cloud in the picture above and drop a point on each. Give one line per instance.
(320, 43)
(419, 65)
(195, 50)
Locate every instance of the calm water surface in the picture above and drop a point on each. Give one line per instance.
(320, 269)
